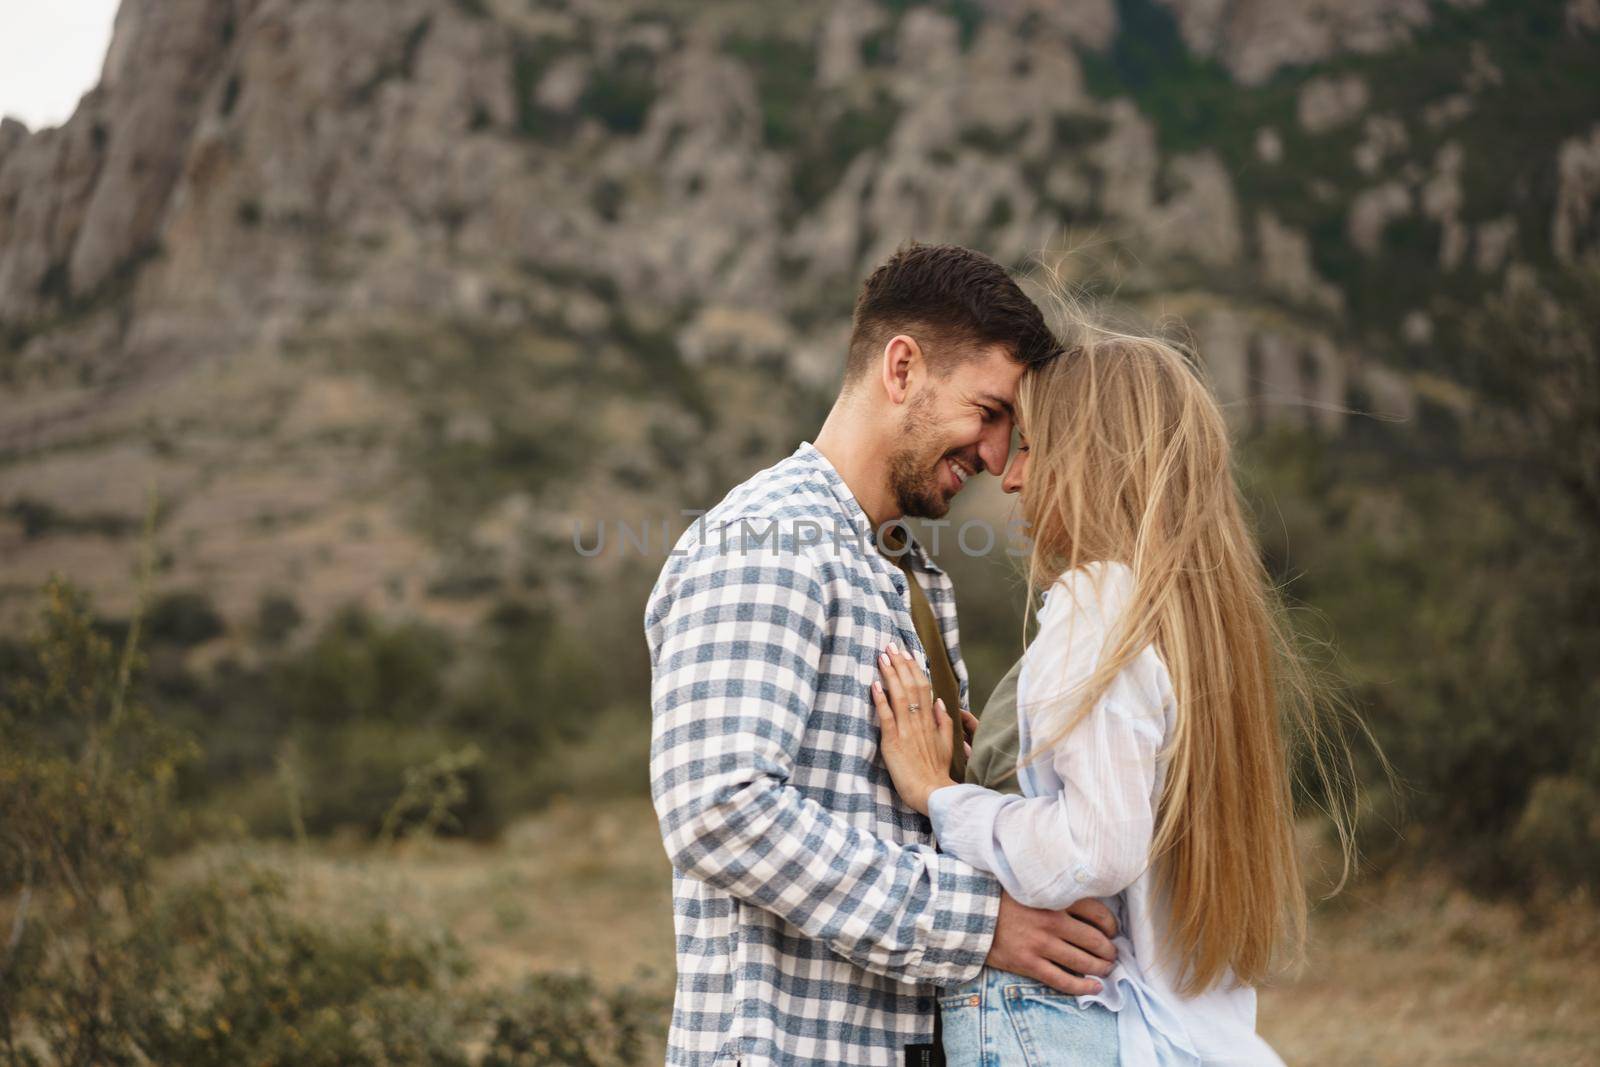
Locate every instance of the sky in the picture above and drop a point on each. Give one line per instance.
(50, 55)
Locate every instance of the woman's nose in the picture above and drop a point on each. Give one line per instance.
(1012, 482)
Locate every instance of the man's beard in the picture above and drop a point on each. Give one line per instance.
(913, 476)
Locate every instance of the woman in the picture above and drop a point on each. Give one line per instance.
(1142, 759)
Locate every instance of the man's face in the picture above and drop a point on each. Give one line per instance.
(953, 428)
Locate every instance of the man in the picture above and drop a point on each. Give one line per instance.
(815, 917)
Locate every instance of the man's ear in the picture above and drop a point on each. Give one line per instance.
(902, 366)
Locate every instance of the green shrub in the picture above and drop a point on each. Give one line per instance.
(369, 780)
(532, 57)
(621, 93)
(248, 982)
(611, 759)
(1558, 833)
(361, 669)
(82, 761)
(339, 722)
(565, 1021)
(277, 617)
(785, 73)
(39, 518)
(85, 777)
(829, 148)
(184, 619)
(103, 966)
(1453, 562)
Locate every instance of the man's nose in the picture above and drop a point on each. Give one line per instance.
(995, 449)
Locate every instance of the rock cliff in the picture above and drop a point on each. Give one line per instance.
(381, 295)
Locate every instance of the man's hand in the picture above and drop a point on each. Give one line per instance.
(969, 723)
(1050, 945)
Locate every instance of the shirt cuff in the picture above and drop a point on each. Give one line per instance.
(940, 801)
(958, 940)
(963, 819)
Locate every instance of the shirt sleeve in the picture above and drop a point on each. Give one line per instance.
(1093, 837)
(737, 646)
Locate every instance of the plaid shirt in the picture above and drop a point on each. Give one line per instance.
(814, 915)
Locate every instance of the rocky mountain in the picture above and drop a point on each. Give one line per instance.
(379, 297)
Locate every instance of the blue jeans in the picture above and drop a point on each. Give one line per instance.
(1000, 1019)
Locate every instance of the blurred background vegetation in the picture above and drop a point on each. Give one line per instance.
(321, 742)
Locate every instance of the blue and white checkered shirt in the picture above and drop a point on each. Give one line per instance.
(814, 915)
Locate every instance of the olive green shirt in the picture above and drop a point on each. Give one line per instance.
(997, 744)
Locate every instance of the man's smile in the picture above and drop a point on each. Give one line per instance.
(960, 470)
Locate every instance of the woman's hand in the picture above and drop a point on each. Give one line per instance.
(917, 738)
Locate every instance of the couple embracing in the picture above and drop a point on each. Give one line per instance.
(1095, 871)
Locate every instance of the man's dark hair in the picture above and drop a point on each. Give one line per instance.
(952, 300)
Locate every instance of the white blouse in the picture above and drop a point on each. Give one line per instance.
(1085, 822)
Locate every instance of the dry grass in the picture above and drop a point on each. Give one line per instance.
(1401, 972)
(569, 889)
(1413, 971)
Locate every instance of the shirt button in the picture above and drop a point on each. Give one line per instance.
(924, 1004)
(1080, 874)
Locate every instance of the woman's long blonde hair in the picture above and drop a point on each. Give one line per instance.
(1130, 462)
